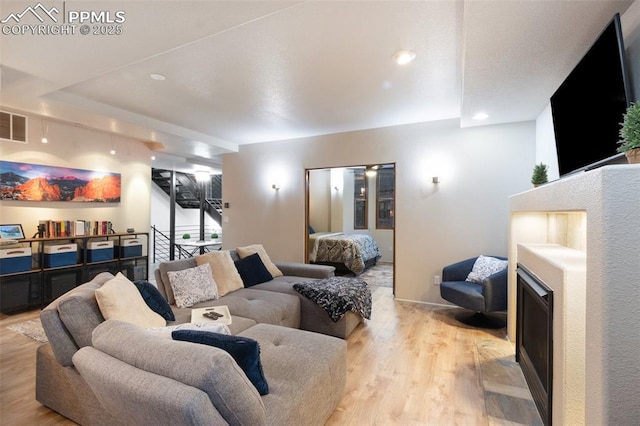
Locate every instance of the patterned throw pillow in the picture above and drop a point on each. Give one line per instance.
(484, 267)
(193, 285)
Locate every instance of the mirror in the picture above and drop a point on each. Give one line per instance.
(347, 206)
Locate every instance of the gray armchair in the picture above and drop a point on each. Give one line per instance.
(489, 296)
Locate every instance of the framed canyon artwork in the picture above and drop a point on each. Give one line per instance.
(34, 182)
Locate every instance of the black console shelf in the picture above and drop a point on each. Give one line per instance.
(37, 287)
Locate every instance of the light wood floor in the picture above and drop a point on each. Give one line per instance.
(411, 364)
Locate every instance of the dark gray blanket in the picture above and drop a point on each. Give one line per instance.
(338, 295)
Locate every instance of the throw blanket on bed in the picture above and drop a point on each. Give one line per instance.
(351, 249)
(338, 295)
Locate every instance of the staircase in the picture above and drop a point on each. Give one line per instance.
(187, 191)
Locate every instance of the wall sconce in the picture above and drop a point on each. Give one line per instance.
(435, 179)
(44, 132)
(276, 186)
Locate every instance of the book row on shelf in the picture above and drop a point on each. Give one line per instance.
(73, 228)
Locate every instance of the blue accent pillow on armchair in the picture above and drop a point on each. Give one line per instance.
(245, 352)
(155, 300)
(252, 270)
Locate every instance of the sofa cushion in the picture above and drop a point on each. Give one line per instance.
(119, 299)
(154, 299)
(69, 320)
(245, 352)
(193, 285)
(312, 316)
(80, 315)
(136, 397)
(306, 373)
(209, 369)
(258, 248)
(224, 271)
(263, 306)
(252, 270)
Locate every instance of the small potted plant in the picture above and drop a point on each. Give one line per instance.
(214, 235)
(186, 236)
(539, 175)
(630, 134)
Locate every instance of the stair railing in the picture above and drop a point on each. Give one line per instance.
(161, 242)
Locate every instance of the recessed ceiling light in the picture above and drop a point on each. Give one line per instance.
(157, 77)
(480, 116)
(404, 56)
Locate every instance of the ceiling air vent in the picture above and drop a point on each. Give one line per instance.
(13, 127)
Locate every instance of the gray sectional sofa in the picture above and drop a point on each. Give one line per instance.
(112, 372)
(251, 303)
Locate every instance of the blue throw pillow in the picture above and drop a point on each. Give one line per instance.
(252, 270)
(311, 230)
(155, 300)
(245, 352)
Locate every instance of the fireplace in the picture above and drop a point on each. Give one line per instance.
(534, 338)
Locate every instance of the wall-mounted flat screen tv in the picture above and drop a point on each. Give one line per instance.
(589, 106)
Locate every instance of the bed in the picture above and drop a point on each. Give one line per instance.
(349, 253)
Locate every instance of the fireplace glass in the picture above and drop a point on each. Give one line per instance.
(534, 338)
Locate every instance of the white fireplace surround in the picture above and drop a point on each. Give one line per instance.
(581, 236)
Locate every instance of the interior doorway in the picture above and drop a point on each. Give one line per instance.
(352, 200)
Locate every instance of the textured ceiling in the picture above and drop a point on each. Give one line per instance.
(254, 71)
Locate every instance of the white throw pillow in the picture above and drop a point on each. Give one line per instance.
(120, 299)
(198, 326)
(484, 267)
(193, 285)
(224, 270)
(258, 248)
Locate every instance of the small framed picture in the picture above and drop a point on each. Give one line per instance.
(11, 232)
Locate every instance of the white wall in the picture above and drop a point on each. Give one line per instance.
(337, 199)
(546, 143)
(463, 216)
(184, 217)
(347, 192)
(630, 21)
(320, 201)
(80, 148)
